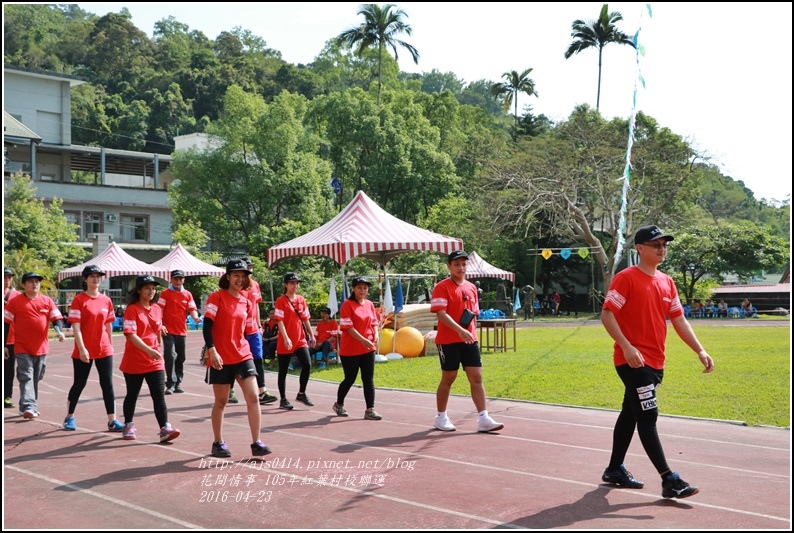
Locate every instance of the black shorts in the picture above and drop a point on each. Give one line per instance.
(228, 374)
(452, 356)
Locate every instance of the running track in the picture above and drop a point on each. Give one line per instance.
(541, 472)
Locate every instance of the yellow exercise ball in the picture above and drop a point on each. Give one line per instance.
(410, 342)
(385, 345)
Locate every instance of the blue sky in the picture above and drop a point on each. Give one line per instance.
(718, 74)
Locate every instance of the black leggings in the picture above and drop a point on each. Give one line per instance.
(639, 412)
(156, 383)
(302, 354)
(351, 365)
(104, 367)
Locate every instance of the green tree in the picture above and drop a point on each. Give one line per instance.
(508, 90)
(37, 235)
(597, 34)
(381, 26)
(711, 251)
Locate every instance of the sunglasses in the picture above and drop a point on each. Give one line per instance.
(657, 245)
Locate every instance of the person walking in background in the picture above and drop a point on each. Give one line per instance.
(357, 347)
(9, 361)
(456, 305)
(229, 356)
(294, 339)
(325, 339)
(30, 313)
(91, 316)
(635, 312)
(142, 359)
(270, 336)
(253, 334)
(177, 303)
(570, 301)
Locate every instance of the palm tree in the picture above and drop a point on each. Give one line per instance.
(514, 83)
(597, 34)
(381, 26)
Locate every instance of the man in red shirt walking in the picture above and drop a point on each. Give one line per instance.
(456, 305)
(176, 302)
(31, 313)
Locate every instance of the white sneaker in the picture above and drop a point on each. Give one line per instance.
(444, 424)
(487, 424)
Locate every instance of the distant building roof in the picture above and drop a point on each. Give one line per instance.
(755, 288)
(14, 129)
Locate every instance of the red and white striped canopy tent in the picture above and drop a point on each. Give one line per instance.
(115, 262)
(363, 229)
(477, 267)
(180, 259)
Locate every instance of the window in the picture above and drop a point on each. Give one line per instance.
(92, 223)
(134, 228)
(73, 217)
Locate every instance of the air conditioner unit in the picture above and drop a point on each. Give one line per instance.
(111, 218)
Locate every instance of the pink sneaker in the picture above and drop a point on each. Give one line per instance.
(128, 433)
(168, 433)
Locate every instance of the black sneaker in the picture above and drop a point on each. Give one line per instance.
(675, 487)
(232, 397)
(258, 449)
(304, 399)
(622, 478)
(285, 404)
(178, 390)
(168, 390)
(219, 449)
(266, 398)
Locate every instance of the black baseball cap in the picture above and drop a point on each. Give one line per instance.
(140, 281)
(30, 275)
(291, 276)
(359, 279)
(650, 233)
(8, 272)
(236, 265)
(177, 273)
(457, 254)
(92, 269)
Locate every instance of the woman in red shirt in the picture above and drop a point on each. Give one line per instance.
(229, 355)
(142, 360)
(293, 315)
(91, 316)
(359, 325)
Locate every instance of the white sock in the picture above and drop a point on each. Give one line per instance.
(484, 413)
(442, 414)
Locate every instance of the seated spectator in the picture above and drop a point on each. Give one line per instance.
(722, 309)
(748, 310)
(697, 308)
(325, 338)
(708, 309)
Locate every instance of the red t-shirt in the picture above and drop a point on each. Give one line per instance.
(326, 331)
(176, 306)
(642, 304)
(229, 316)
(361, 317)
(453, 298)
(93, 314)
(146, 324)
(254, 295)
(12, 292)
(285, 312)
(32, 317)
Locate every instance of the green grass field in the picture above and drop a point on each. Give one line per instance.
(751, 381)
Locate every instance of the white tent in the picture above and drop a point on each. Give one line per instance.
(115, 262)
(180, 259)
